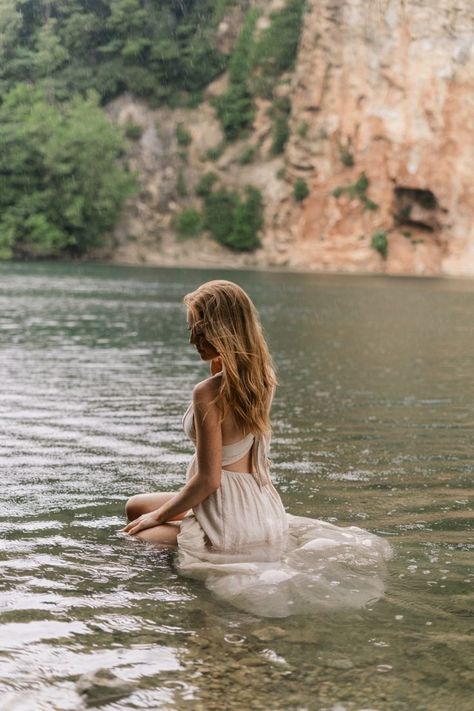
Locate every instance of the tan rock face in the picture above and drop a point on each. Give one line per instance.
(387, 85)
(382, 132)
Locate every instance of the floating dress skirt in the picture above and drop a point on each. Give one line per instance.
(249, 551)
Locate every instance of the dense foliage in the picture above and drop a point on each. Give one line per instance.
(157, 49)
(234, 220)
(61, 182)
(62, 176)
(257, 61)
(61, 186)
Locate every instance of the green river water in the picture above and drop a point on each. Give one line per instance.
(373, 426)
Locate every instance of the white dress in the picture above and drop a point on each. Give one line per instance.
(249, 551)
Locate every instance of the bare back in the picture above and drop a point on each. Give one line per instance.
(230, 431)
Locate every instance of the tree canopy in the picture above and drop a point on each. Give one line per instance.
(61, 182)
(156, 49)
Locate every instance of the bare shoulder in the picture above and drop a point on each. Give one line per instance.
(206, 391)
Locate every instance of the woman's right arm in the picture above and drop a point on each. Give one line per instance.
(207, 423)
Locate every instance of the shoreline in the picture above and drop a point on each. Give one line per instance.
(277, 269)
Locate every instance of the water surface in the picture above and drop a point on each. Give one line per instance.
(372, 427)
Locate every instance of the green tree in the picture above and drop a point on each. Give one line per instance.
(160, 50)
(50, 55)
(61, 187)
(10, 26)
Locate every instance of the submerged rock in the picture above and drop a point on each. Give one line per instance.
(102, 687)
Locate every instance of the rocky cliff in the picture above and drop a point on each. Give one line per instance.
(381, 132)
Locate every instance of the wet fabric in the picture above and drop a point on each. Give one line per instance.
(249, 551)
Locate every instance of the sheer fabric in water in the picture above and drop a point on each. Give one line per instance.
(249, 551)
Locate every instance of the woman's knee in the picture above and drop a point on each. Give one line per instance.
(133, 507)
(144, 503)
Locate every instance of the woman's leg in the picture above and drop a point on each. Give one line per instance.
(165, 534)
(144, 503)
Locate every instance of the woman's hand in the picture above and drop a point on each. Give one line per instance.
(216, 365)
(148, 520)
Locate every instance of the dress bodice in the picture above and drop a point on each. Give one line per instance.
(231, 453)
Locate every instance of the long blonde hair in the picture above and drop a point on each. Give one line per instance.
(229, 321)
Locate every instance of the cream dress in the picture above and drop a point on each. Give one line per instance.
(251, 552)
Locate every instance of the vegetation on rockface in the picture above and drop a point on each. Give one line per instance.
(280, 113)
(235, 108)
(247, 155)
(215, 152)
(357, 190)
(183, 136)
(300, 190)
(256, 64)
(189, 222)
(205, 184)
(276, 50)
(181, 187)
(346, 156)
(302, 129)
(62, 175)
(133, 131)
(379, 242)
(235, 220)
(61, 184)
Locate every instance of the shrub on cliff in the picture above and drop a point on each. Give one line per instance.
(280, 113)
(189, 222)
(300, 190)
(358, 191)
(183, 136)
(62, 185)
(233, 220)
(254, 67)
(235, 110)
(379, 242)
(248, 220)
(277, 48)
(219, 214)
(204, 186)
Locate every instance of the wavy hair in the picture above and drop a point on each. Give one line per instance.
(229, 321)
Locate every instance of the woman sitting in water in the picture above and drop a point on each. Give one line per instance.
(232, 498)
(228, 521)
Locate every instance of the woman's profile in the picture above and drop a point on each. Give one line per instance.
(228, 521)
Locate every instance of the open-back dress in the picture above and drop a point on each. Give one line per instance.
(251, 552)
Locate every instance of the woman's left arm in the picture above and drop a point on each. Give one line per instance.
(207, 423)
